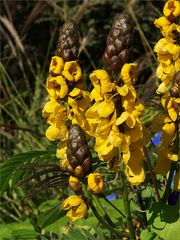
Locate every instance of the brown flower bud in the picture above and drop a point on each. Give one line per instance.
(119, 43)
(78, 152)
(68, 42)
(79, 172)
(87, 164)
(69, 169)
(75, 185)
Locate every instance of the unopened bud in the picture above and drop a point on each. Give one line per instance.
(75, 185)
(79, 172)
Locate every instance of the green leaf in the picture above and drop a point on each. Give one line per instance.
(50, 216)
(20, 230)
(25, 234)
(146, 234)
(9, 169)
(165, 221)
(75, 234)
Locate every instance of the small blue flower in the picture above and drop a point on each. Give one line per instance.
(157, 138)
(112, 196)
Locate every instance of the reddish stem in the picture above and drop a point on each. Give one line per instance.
(152, 175)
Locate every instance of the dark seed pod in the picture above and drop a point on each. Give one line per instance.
(78, 152)
(68, 42)
(119, 43)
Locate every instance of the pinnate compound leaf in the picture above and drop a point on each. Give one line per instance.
(50, 216)
(10, 168)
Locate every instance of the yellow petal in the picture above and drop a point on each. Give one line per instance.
(122, 118)
(56, 65)
(105, 108)
(123, 91)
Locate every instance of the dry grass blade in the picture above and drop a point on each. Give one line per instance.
(8, 10)
(13, 32)
(37, 9)
(81, 10)
(55, 7)
(6, 134)
(9, 41)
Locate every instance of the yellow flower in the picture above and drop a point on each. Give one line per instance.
(161, 22)
(56, 131)
(128, 73)
(177, 180)
(168, 29)
(123, 91)
(115, 137)
(72, 71)
(171, 9)
(135, 173)
(80, 101)
(163, 163)
(76, 207)
(57, 87)
(105, 108)
(131, 115)
(54, 112)
(158, 122)
(95, 183)
(134, 133)
(56, 65)
(61, 154)
(99, 125)
(51, 108)
(130, 98)
(171, 32)
(102, 84)
(172, 105)
(167, 51)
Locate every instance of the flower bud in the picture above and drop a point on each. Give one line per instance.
(78, 153)
(75, 185)
(79, 172)
(119, 43)
(68, 42)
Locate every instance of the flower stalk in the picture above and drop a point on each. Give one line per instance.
(152, 175)
(127, 209)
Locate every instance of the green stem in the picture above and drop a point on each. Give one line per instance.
(122, 214)
(152, 175)
(173, 167)
(144, 217)
(102, 221)
(169, 181)
(127, 209)
(102, 211)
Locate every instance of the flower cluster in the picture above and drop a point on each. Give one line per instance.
(114, 122)
(167, 48)
(168, 52)
(63, 79)
(109, 115)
